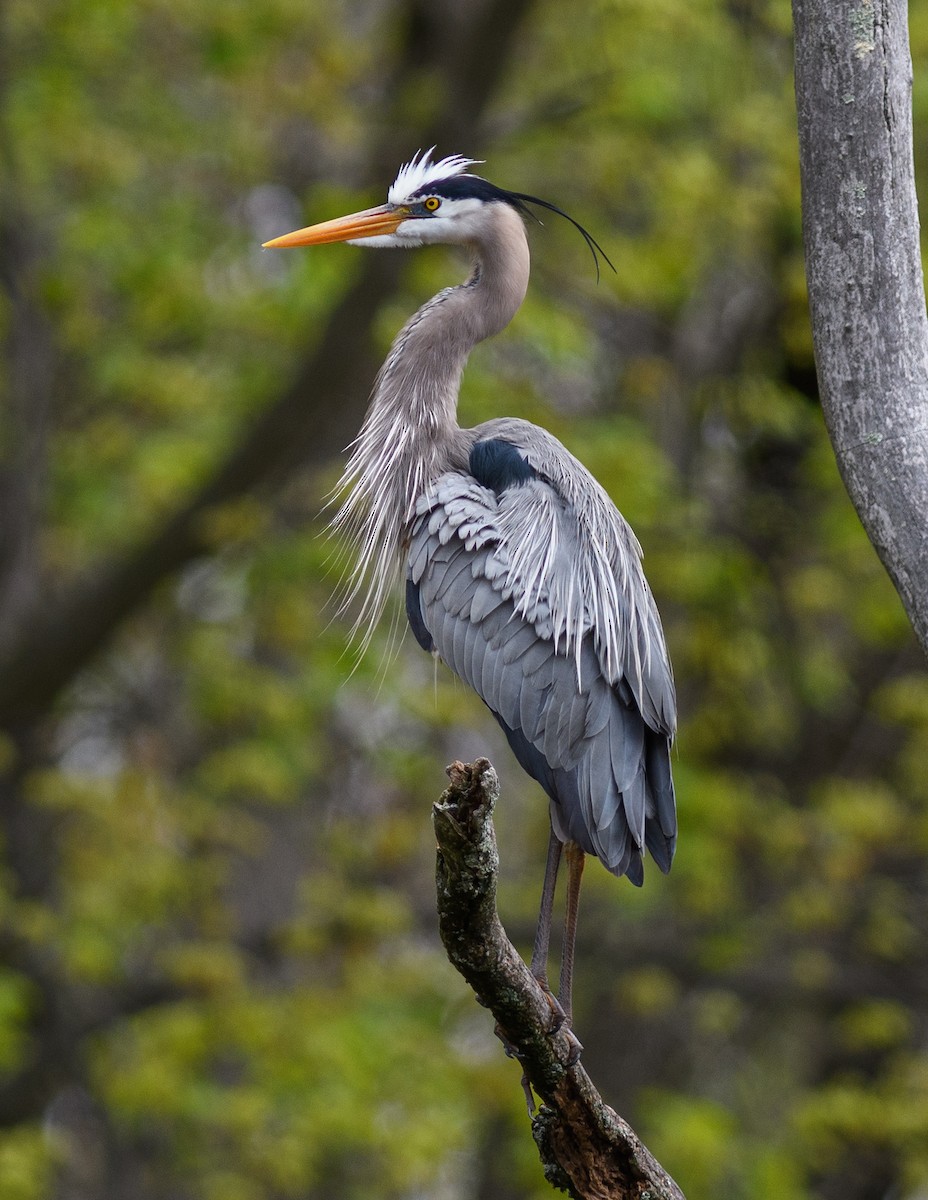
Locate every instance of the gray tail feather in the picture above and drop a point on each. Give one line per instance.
(556, 782)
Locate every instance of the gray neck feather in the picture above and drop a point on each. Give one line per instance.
(410, 435)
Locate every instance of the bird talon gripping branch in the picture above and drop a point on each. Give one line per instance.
(575, 1048)
(558, 1016)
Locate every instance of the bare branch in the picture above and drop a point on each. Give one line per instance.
(866, 292)
(587, 1149)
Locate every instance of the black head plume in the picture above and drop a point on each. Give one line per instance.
(521, 200)
(458, 187)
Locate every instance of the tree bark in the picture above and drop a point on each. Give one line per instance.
(587, 1149)
(866, 291)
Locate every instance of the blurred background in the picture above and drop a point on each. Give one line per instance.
(221, 977)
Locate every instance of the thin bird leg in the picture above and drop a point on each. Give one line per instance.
(539, 966)
(575, 860)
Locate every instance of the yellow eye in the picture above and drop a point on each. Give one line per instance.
(431, 203)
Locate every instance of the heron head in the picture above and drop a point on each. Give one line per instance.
(429, 203)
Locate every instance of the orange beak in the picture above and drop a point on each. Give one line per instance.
(370, 223)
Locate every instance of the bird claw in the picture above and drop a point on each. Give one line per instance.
(560, 1023)
(575, 1046)
(558, 1017)
(512, 1051)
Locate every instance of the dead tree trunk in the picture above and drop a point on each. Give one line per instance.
(866, 291)
(587, 1149)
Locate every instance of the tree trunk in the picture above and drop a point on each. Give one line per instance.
(866, 292)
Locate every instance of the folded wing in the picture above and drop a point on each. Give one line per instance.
(497, 584)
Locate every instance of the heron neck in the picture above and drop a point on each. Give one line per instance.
(411, 430)
(410, 435)
(420, 381)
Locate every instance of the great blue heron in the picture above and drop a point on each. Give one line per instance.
(521, 574)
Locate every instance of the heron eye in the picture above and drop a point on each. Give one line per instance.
(431, 203)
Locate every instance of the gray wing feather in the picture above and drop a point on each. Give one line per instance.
(473, 652)
(457, 583)
(634, 803)
(485, 600)
(508, 690)
(500, 674)
(459, 644)
(494, 624)
(536, 655)
(472, 648)
(520, 639)
(602, 790)
(577, 716)
(418, 558)
(553, 744)
(486, 684)
(530, 712)
(496, 578)
(627, 753)
(598, 712)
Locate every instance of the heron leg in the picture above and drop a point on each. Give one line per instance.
(539, 965)
(575, 861)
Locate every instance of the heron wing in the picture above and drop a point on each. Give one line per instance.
(605, 573)
(492, 586)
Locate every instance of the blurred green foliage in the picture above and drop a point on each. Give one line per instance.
(222, 978)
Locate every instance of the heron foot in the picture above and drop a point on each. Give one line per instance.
(512, 1051)
(575, 1045)
(559, 1017)
(561, 1023)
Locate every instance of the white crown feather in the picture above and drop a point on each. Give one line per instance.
(421, 171)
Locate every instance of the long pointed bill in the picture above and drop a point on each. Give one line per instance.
(372, 222)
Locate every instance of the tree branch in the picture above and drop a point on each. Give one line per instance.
(587, 1149)
(866, 291)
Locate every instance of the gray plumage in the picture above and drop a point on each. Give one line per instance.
(508, 587)
(521, 573)
(532, 593)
